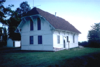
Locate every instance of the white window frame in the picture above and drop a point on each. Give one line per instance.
(58, 39)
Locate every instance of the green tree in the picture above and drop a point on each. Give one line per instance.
(15, 18)
(3, 34)
(4, 12)
(94, 35)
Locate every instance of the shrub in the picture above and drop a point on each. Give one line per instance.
(84, 43)
(93, 43)
(3, 44)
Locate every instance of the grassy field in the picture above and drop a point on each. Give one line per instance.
(70, 58)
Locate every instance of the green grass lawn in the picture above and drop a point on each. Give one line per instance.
(43, 59)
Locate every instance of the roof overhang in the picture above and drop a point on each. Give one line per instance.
(24, 19)
(66, 31)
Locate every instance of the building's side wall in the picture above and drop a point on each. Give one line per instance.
(9, 43)
(75, 43)
(63, 36)
(17, 43)
(55, 42)
(45, 32)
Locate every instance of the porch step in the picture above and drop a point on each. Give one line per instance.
(58, 49)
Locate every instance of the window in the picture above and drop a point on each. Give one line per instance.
(74, 38)
(31, 25)
(38, 24)
(67, 39)
(39, 39)
(58, 39)
(31, 39)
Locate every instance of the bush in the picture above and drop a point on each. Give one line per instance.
(90, 43)
(84, 43)
(95, 44)
(3, 44)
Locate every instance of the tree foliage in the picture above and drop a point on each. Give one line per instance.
(3, 33)
(15, 18)
(4, 12)
(94, 35)
(84, 44)
(24, 7)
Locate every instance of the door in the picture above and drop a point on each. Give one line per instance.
(64, 43)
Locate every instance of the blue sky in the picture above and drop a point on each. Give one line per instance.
(80, 13)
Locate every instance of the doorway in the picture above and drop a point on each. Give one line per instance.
(64, 43)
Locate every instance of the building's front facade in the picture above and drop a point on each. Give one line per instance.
(36, 35)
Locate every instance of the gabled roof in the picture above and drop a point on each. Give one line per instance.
(55, 21)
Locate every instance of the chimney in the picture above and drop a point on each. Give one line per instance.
(55, 14)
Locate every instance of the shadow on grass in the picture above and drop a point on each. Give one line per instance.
(91, 60)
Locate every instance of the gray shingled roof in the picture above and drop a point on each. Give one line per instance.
(55, 21)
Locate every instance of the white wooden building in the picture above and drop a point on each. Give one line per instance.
(13, 43)
(43, 31)
(14, 40)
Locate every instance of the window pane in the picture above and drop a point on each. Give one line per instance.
(39, 39)
(67, 39)
(31, 25)
(58, 37)
(31, 39)
(73, 38)
(39, 24)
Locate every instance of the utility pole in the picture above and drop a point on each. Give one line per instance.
(33, 3)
